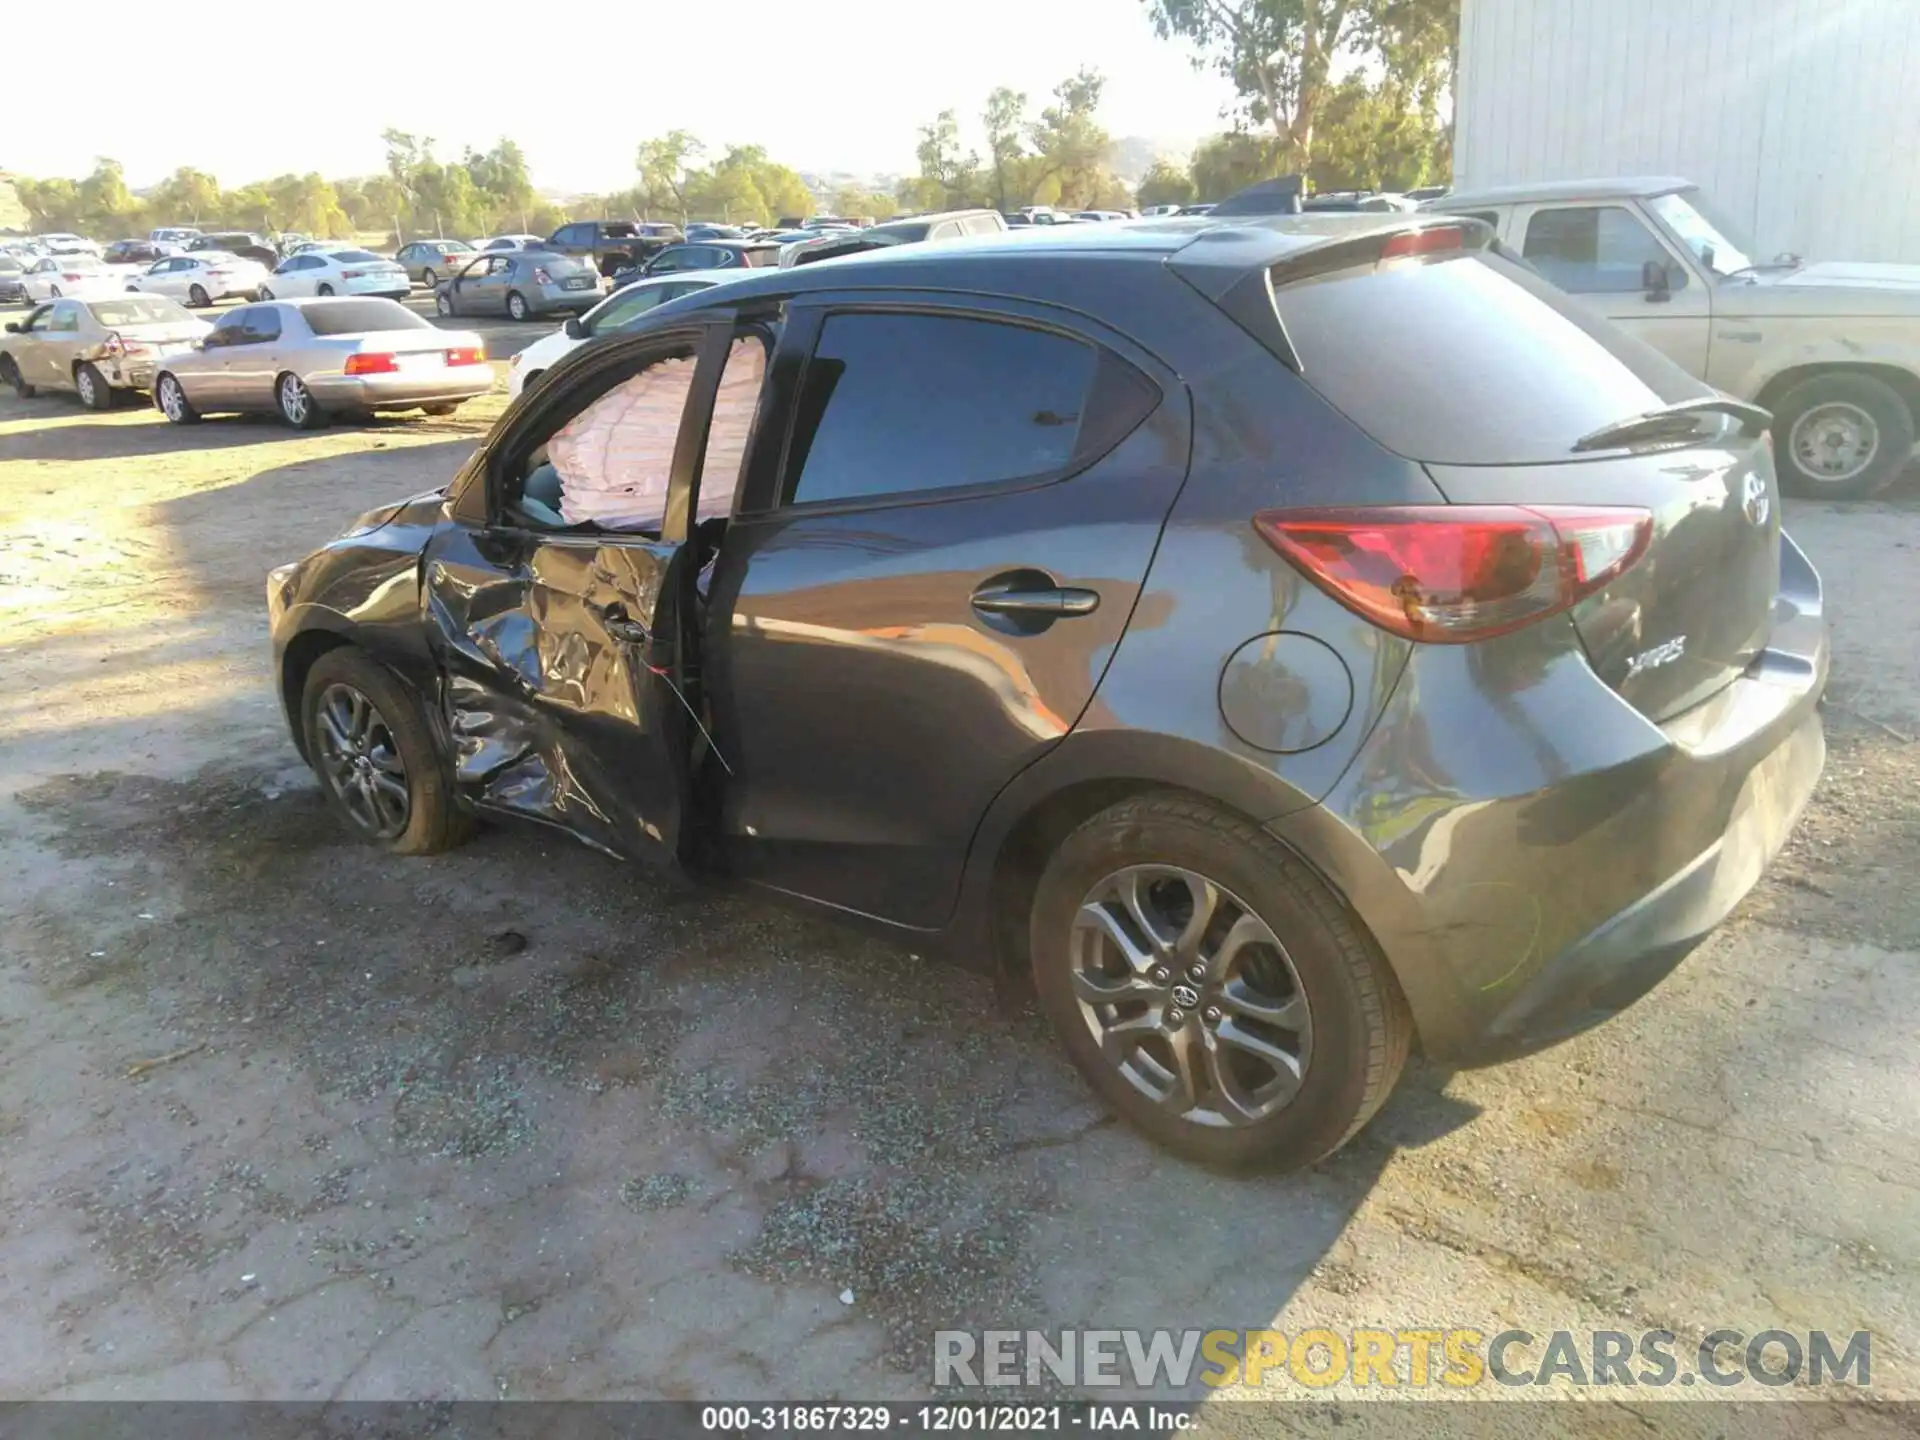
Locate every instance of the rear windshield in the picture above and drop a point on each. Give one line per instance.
(138, 310)
(357, 257)
(557, 264)
(769, 255)
(350, 317)
(1470, 360)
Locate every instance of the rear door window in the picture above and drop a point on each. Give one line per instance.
(895, 403)
(1470, 360)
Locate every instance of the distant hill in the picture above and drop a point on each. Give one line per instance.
(1131, 156)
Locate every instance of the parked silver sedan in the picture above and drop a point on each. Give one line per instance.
(520, 284)
(97, 348)
(309, 359)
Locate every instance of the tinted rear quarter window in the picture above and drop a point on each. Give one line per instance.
(897, 403)
(1470, 360)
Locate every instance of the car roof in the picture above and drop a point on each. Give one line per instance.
(1619, 187)
(1210, 254)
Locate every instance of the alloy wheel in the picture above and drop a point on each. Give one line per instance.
(361, 762)
(83, 382)
(295, 402)
(1834, 442)
(1190, 995)
(173, 404)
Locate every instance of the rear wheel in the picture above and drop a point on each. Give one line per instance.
(173, 402)
(1841, 437)
(438, 409)
(265, 293)
(324, 290)
(369, 742)
(1211, 987)
(53, 292)
(93, 389)
(443, 303)
(517, 306)
(428, 278)
(10, 375)
(297, 405)
(198, 298)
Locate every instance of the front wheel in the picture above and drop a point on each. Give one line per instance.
(1842, 437)
(173, 402)
(93, 389)
(428, 278)
(1211, 988)
(198, 298)
(517, 306)
(297, 405)
(438, 410)
(368, 740)
(265, 293)
(53, 292)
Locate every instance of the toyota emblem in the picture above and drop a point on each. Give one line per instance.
(1754, 502)
(1185, 996)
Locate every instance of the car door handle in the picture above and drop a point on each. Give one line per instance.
(1051, 602)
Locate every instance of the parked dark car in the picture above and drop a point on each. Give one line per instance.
(614, 245)
(520, 284)
(244, 243)
(707, 255)
(1293, 642)
(943, 225)
(135, 252)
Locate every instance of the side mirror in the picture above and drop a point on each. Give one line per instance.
(13, 327)
(1656, 282)
(574, 328)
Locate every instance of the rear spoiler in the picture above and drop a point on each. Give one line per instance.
(1238, 267)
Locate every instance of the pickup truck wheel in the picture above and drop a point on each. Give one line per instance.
(1841, 437)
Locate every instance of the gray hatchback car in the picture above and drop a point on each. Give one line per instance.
(1291, 642)
(520, 284)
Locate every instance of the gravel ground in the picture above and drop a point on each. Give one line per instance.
(283, 1118)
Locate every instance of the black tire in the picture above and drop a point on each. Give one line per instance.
(323, 290)
(1852, 402)
(10, 375)
(95, 393)
(443, 303)
(296, 403)
(265, 293)
(433, 820)
(1361, 1031)
(171, 401)
(198, 298)
(442, 409)
(428, 278)
(53, 292)
(517, 306)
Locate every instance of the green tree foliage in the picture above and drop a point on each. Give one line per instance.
(1372, 138)
(188, 195)
(1070, 147)
(1228, 163)
(666, 166)
(1165, 184)
(1008, 165)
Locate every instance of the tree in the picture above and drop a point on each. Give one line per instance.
(51, 204)
(106, 205)
(1165, 184)
(1371, 138)
(501, 176)
(1006, 119)
(1229, 163)
(665, 165)
(1070, 147)
(187, 194)
(948, 179)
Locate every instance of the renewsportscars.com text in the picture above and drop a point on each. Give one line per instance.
(1458, 1358)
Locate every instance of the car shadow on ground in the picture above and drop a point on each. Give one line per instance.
(133, 430)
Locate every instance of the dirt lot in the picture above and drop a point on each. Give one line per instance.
(280, 1117)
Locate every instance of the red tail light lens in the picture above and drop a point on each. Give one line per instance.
(1451, 574)
(371, 365)
(114, 345)
(351, 274)
(466, 357)
(74, 278)
(1423, 242)
(540, 276)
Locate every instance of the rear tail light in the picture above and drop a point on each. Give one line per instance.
(466, 357)
(1450, 574)
(1423, 242)
(371, 365)
(540, 276)
(351, 274)
(75, 279)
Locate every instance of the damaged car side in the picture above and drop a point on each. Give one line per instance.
(1142, 604)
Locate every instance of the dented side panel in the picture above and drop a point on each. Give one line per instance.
(550, 706)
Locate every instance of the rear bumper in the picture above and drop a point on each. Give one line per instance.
(1531, 866)
(398, 391)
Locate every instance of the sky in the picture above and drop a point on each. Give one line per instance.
(837, 86)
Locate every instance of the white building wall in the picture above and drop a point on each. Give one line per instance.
(1802, 117)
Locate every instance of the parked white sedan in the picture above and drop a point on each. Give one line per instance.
(619, 310)
(83, 276)
(202, 277)
(337, 272)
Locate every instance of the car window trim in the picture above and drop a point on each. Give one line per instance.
(807, 317)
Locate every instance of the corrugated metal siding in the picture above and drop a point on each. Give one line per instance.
(1802, 117)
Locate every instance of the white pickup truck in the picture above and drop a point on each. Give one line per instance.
(1831, 348)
